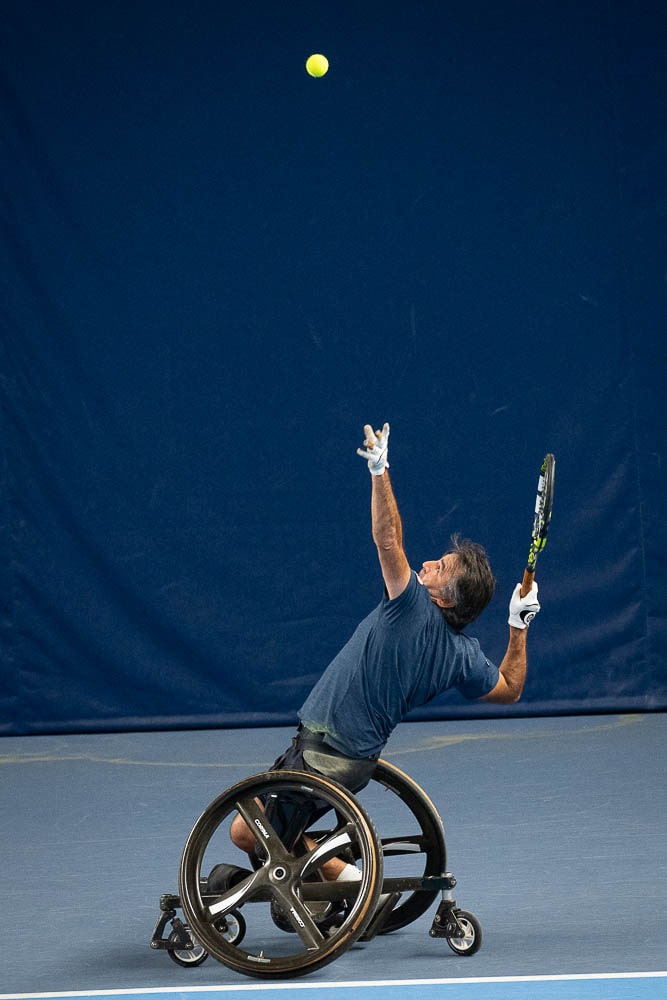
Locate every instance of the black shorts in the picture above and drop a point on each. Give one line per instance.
(291, 813)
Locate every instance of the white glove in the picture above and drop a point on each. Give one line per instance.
(375, 450)
(523, 609)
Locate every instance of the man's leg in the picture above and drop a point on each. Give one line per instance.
(243, 837)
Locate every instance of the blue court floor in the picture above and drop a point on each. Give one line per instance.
(556, 831)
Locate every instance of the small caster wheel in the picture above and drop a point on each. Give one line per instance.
(187, 957)
(232, 927)
(472, 934)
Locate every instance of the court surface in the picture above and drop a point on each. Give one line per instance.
(556, 832)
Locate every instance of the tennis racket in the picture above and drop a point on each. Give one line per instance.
(543, 505)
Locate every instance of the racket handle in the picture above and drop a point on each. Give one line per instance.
(527, 582)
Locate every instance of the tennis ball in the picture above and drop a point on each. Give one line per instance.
(317, 65)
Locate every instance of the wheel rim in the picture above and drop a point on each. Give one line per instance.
(465, 943)
(426, 839)
(288, 881)
(186, 956)
(232, 927)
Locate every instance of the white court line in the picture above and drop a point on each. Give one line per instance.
(357, 984)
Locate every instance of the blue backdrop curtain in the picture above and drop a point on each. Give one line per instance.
(217, 269)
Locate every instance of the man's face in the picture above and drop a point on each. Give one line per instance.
(435, 575)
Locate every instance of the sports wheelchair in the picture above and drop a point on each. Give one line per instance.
(283, 919)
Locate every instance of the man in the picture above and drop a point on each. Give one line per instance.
(408, 650)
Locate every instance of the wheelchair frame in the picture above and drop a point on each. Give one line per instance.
(326, 918)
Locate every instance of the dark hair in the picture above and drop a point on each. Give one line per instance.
(473, 586)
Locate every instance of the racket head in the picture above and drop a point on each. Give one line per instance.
(543, 508)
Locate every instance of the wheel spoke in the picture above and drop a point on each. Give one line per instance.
(402, 845)
(306, 931)
(261, 828)
(299, 917)
(244, 890)
(332, 845)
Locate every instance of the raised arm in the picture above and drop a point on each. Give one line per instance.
(515, 661)
(385, 518)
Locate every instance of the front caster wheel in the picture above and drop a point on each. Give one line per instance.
(186, 957)
(471, 941)
(231, 927)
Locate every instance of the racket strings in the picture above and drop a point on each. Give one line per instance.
(543, 503)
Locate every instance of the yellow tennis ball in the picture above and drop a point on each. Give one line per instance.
(317, 65)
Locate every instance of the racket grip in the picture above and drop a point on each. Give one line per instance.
(527, 582)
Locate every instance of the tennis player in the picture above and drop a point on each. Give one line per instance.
(411, 648)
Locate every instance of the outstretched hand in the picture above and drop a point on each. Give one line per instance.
(375, 449)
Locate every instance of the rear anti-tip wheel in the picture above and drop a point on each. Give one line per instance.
(471, 941)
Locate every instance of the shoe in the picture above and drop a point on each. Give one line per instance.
(223, 877)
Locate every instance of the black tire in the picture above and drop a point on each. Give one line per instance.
(281, 879)
(232, 927)
(186, 957)
(472, 939)
(428, 842)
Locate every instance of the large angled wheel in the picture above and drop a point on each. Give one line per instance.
(285, 883)
(418, 843)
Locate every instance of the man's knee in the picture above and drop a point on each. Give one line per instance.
(241, 835)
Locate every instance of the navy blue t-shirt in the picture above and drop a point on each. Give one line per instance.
(401, 656)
